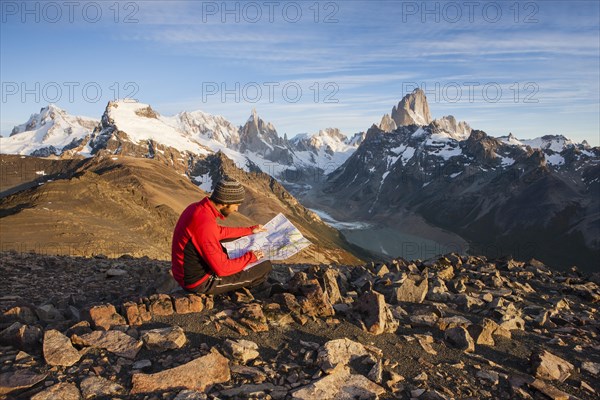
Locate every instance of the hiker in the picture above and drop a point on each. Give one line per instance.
(198, 260)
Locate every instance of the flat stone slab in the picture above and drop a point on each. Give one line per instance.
(17, 380)
(197, 375)
(116, 342)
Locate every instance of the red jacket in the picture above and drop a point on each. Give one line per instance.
(197, 253)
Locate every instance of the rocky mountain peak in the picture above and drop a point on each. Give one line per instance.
(256, 128)
(387, 124)
(412, 109)
(455, 129)
(50, 132)
(253, 115)
(357, 139)
(47, 114)
(203, 125)
(482, 146)
(260, 137)
(146, 112)
(333, 133)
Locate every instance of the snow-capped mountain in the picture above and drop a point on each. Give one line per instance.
(556, 143)
(556, 148)
(496, 192)
(327, 149)
(49, 132)
(132, 128)
(201, 124)
(458, 130)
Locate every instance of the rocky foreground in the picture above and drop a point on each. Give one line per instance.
(454, 327)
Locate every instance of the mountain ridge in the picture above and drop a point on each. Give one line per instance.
(129, 205)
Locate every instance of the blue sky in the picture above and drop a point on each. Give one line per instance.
(530, 67)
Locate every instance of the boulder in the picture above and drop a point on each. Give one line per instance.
(331, 286)
(591, 367)
(22, 314)
(428, 319)
(161, 305)
(314, 301)
(18, 380)
(49, 313)
(190, 303)
(447, 273)
(467, 302)
(483, 333)
(376, 372)
(550, 391)
(24, 337)
(438, 291)
(137, 314)
(253, 317)
(452, 322)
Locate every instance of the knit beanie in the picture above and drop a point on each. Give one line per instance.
(228, 191)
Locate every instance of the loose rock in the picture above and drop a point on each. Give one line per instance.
(242, 350)
(163, 339)
(548, 366)
(62, 391)
(95, 386)
(58, 349)
(375, 314)
(410, 291)
(341, 385)
(459, 337)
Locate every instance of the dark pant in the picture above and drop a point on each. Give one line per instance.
(248, 278)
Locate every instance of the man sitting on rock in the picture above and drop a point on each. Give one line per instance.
(198, 260)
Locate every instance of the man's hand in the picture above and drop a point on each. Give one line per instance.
(258, 229)
(258, 253)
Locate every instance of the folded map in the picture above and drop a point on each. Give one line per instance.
(281, 240)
